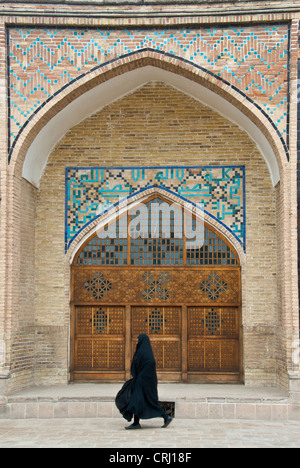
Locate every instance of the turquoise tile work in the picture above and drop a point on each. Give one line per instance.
(252, 59)
(220, 191)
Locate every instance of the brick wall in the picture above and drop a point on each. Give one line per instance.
(21, 330)
(3, 150)
(179, 131)
(34, 318)
(298, 172)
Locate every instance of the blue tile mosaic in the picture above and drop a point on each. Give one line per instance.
(220, 190)
(252, 59)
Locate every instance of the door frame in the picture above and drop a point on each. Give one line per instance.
(184, 375)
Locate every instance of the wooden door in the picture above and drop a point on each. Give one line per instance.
(187, 300)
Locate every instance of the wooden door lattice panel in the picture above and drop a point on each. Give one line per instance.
(164, 321)
(167, 354)
(100, 338)
(163, 325)
(213, 339)
(213, 356)
(84, 354)
(213, 321)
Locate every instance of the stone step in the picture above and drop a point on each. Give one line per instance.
(190, 401)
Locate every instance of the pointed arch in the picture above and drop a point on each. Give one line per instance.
(152, 287)
(109, 82)
(127, 205)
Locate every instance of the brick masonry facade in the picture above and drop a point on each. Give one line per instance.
(41, 62)
(174, 138)
(51, 57)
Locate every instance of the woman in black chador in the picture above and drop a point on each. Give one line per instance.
(139, 396)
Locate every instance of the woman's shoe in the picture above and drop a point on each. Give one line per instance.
(168, 421)
(133, 427)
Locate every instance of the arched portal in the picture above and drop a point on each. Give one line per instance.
(160, 270)
(70, 106)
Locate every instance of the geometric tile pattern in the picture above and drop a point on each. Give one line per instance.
(253, 59)
(219, 190)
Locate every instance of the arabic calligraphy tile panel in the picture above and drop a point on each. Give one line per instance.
(43, 60)
(91, 192)
(184, 286)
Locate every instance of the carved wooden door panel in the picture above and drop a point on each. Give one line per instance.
(192, 317)
(213, 339)
(187, 300)
(163, 326)
(99, 340)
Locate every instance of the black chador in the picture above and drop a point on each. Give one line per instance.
(139, 397)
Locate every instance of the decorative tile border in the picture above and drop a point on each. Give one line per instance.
(93, 191)
(253, 60)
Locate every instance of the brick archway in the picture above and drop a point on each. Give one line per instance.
(61, 102)
(33, 145)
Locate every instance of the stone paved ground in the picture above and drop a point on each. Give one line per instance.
(110, 433)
